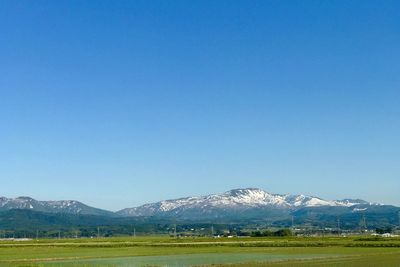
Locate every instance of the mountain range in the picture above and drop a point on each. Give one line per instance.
(249, 206)
(233, 202)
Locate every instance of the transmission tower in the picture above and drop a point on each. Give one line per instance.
(175, 230)
(292, 224)
(363, 224)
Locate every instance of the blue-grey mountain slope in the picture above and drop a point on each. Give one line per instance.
(61, 206)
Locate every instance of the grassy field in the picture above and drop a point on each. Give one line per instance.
(318, 251)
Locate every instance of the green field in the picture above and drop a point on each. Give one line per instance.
(166, 251)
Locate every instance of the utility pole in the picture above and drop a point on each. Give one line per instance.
(212, 230)
(59, 234)
(338, 226)
(98, 232)
(37, 234)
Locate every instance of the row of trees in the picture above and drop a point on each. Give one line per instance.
(280, 232)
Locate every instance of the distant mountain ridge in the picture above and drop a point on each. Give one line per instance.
(247, 202)
(241, 207)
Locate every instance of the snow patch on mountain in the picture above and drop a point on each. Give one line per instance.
(359, 209)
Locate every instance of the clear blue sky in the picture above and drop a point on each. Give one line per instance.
(118, 103)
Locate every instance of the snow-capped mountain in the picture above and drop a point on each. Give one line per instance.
(243, 206)
(62, 206)
(234, 201)
(237, 203)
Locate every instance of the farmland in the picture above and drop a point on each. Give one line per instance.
(167, 251)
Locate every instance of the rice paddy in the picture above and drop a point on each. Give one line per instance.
(184, 252)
